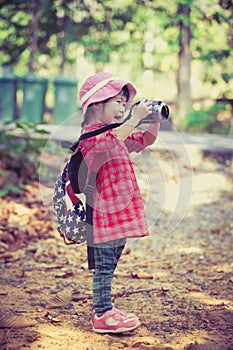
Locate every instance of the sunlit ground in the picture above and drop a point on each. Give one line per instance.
(187, 257)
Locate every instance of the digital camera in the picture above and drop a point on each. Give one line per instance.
(159, 109)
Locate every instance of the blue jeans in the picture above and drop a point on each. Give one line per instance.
(106, 259)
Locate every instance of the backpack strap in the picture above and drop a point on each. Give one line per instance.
(73, 146)
(89, 210)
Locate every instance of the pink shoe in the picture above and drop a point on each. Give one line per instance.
(130, 315)
(113, 321)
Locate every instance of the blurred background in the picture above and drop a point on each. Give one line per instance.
(178, 51)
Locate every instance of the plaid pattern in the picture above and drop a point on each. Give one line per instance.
(105, 263)
(118, 209)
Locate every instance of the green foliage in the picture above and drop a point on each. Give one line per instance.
(21, 146)
(209, 120)
(136, 35)
(9, 184)
(16, 32)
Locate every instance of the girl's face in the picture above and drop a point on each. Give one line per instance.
(113, 110)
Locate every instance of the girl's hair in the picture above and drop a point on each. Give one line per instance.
(124, 91)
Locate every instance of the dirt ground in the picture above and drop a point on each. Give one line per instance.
(179, 281)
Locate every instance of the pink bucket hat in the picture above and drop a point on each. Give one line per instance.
(102, 86)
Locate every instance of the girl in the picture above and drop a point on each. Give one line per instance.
(118, 211)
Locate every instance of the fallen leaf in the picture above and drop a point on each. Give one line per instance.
(142, 276)
(10, 321)
(53, 319)
(60, 300)
(139, 343)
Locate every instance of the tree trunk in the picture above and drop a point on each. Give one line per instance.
(63, 47)
(34, 26)
(184, 101)
(62, 37)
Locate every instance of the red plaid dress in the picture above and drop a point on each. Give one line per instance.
(118, 209)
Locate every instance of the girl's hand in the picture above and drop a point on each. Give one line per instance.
(141, 110)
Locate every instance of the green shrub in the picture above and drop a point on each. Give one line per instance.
(208, 120)
(21, 146)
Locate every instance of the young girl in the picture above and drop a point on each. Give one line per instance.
(118, 211)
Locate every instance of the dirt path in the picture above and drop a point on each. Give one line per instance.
(179, 281)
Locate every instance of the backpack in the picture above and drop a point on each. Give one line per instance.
(74, 216)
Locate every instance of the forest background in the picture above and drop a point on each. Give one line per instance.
(178, 51)
(178, 281)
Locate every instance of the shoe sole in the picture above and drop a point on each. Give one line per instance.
(118, 330)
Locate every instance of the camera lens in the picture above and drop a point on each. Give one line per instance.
(165, 111)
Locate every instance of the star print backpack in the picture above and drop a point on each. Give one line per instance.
(72, 199)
